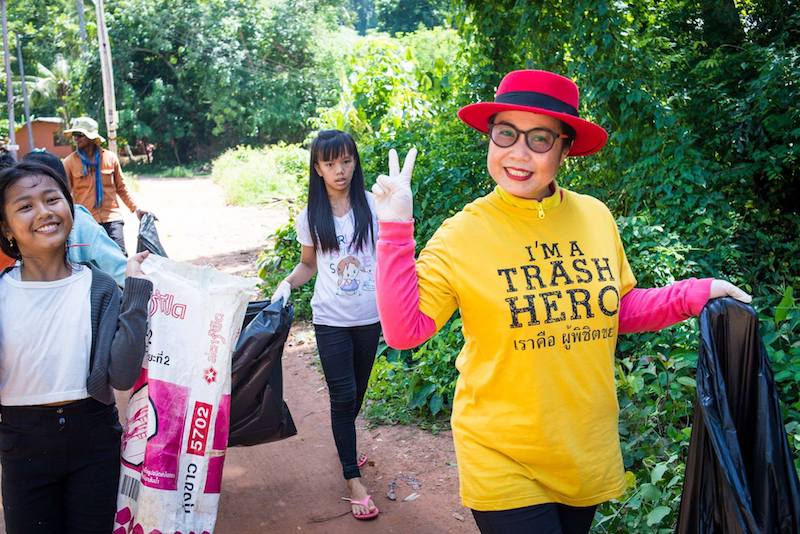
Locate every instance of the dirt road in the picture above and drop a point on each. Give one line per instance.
(195, 225)
(296, 485)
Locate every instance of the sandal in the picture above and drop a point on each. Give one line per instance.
(372, 514)
(362, 459)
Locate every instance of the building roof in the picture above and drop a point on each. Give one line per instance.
(54, 120)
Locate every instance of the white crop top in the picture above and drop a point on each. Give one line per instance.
(45, 338)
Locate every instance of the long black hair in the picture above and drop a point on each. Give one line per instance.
(327, 146)
(12, 175)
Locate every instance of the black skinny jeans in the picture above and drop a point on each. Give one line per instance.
(548, 518)
(347, 354)
(60, 468)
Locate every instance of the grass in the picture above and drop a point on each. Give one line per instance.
(252, 176)
(159, 170)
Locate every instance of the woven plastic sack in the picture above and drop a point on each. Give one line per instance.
(740, 475)
(173, 447)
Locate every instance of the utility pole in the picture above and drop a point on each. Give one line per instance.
(82, 25)
(25, 94)
(109, 99)
(12, 138)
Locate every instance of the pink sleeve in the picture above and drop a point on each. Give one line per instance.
(648, 310)
(404, 325)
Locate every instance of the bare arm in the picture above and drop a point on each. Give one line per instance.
(305, 270)
(302, 273)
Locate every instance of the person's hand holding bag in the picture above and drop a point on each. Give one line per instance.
(393, 199)
(134, 266)
(723, 288)
(283, 291)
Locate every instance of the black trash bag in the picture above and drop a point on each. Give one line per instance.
(740, 476)
(258, 411)
(148, 236)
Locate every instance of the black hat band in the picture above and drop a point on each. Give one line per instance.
(537, 100)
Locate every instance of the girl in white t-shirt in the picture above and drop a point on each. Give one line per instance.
(67, 337)
(337, 232)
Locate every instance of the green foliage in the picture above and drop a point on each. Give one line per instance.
(191, 77)
(415, 385)
(780, 334)
(395, 16)
(49, 37)
(252, 176)
(655, 378)
(380, 90)
(658, 257)
(398, 16)
(363, 14)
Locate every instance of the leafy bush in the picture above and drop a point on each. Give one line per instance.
(780, 334)
(415, 385)
(381, 91)
(254, 175)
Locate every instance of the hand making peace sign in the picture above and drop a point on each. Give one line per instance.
(393, 200)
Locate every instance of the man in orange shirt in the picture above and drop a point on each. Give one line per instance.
(95, 177)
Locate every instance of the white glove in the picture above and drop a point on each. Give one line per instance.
(283, 291)
(393, 200)
(721, 288)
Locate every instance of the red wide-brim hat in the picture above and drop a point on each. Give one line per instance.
(543, 92)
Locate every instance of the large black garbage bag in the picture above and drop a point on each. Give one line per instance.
(258, 412)
(148, 236)
(740, 477)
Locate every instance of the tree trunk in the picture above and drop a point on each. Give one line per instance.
(721, 23)
(26, 107)
(82, 25)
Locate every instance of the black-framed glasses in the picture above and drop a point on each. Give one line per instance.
(539, 140)
(77, 134)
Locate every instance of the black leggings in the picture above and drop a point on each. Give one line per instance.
(347, 355)
(60, 468)
(549, 518)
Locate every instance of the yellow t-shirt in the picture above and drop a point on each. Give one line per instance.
(538, 285)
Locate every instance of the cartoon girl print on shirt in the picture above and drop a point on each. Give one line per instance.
(347, 269)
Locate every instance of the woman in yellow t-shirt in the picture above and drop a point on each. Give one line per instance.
(540, 277)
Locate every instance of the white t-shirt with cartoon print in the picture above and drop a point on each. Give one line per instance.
(344, 292)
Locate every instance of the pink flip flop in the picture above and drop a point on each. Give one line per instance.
(362, 459)
(372, 514)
